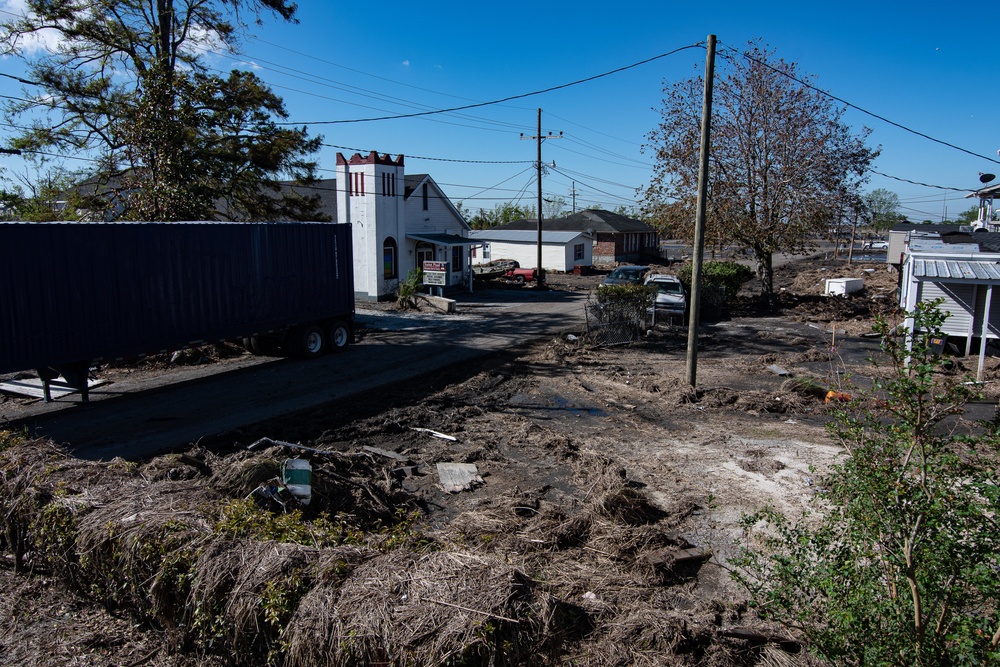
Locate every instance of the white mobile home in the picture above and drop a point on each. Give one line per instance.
(561, 251)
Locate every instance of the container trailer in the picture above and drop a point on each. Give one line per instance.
(75, 294)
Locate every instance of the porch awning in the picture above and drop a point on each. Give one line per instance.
(949, 270)
(443, 239)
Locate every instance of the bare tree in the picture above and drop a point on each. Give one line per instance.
(782, 160)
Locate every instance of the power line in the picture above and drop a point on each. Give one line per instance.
(436, 159)
(856, 107)
(337, 85)
(504, 99)
(593, 188)
(926, 185)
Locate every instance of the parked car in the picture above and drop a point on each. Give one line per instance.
(523, 275)
(626, 275)
(875, 245)
(670, 294)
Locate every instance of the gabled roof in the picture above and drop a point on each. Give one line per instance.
(523, 236)
(590, 220)
(326, 188)
(928, 228)
(988, 241)
(411, 182)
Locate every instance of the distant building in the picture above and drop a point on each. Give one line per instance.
(616, 238)
(561, 251)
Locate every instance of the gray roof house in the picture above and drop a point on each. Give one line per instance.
(561, 251)
(617, 238)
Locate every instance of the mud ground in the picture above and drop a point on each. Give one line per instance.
(529, 419)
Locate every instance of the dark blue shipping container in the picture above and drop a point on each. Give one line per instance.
(73, 293)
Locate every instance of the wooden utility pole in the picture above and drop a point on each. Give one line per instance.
(539, 138)
(699, 222)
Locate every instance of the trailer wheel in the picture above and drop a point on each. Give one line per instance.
(308, 341)
(340, 335)
(265, 346)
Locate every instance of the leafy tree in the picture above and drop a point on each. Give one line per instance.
(882, 208)
(45, 198)
(782, 160)
(971, 215)
(126, 85)
(900, 565)
(501, 214)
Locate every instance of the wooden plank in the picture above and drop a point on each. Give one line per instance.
(33, 387)
(456, 477)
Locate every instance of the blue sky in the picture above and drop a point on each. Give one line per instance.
(924, 66)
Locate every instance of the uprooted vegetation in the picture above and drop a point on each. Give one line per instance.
(354, 578)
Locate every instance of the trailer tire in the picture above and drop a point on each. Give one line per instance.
(265, 346)
(339, 336)
(308, 341)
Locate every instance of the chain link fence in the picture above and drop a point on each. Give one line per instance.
(613, 326)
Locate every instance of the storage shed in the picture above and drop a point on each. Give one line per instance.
(968, 283)
(561, 251)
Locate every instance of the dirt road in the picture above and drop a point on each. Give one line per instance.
(141, 414)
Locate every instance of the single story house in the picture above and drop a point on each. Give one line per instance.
(964, 271)
(561, 251)
(616, 238)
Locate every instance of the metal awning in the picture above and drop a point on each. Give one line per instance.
(946, 270)
(443, 239)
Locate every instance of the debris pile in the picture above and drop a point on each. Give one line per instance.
(355, 577)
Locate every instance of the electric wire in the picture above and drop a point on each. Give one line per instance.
(724, 53)
(337, 85)
(926, 185)
(592, 187)
(436, 159)
(477, 105)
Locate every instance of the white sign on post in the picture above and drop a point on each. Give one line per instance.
(436, 273)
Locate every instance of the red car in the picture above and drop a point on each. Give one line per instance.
(523, 275)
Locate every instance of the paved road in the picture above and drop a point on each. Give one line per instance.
(135, 420)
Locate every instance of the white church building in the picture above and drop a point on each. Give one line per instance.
(398, 222)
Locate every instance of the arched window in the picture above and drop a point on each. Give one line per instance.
(390, 267)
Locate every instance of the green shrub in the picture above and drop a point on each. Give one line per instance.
(405, 295)
(720, 281)
(900, 564)
(623, 303)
